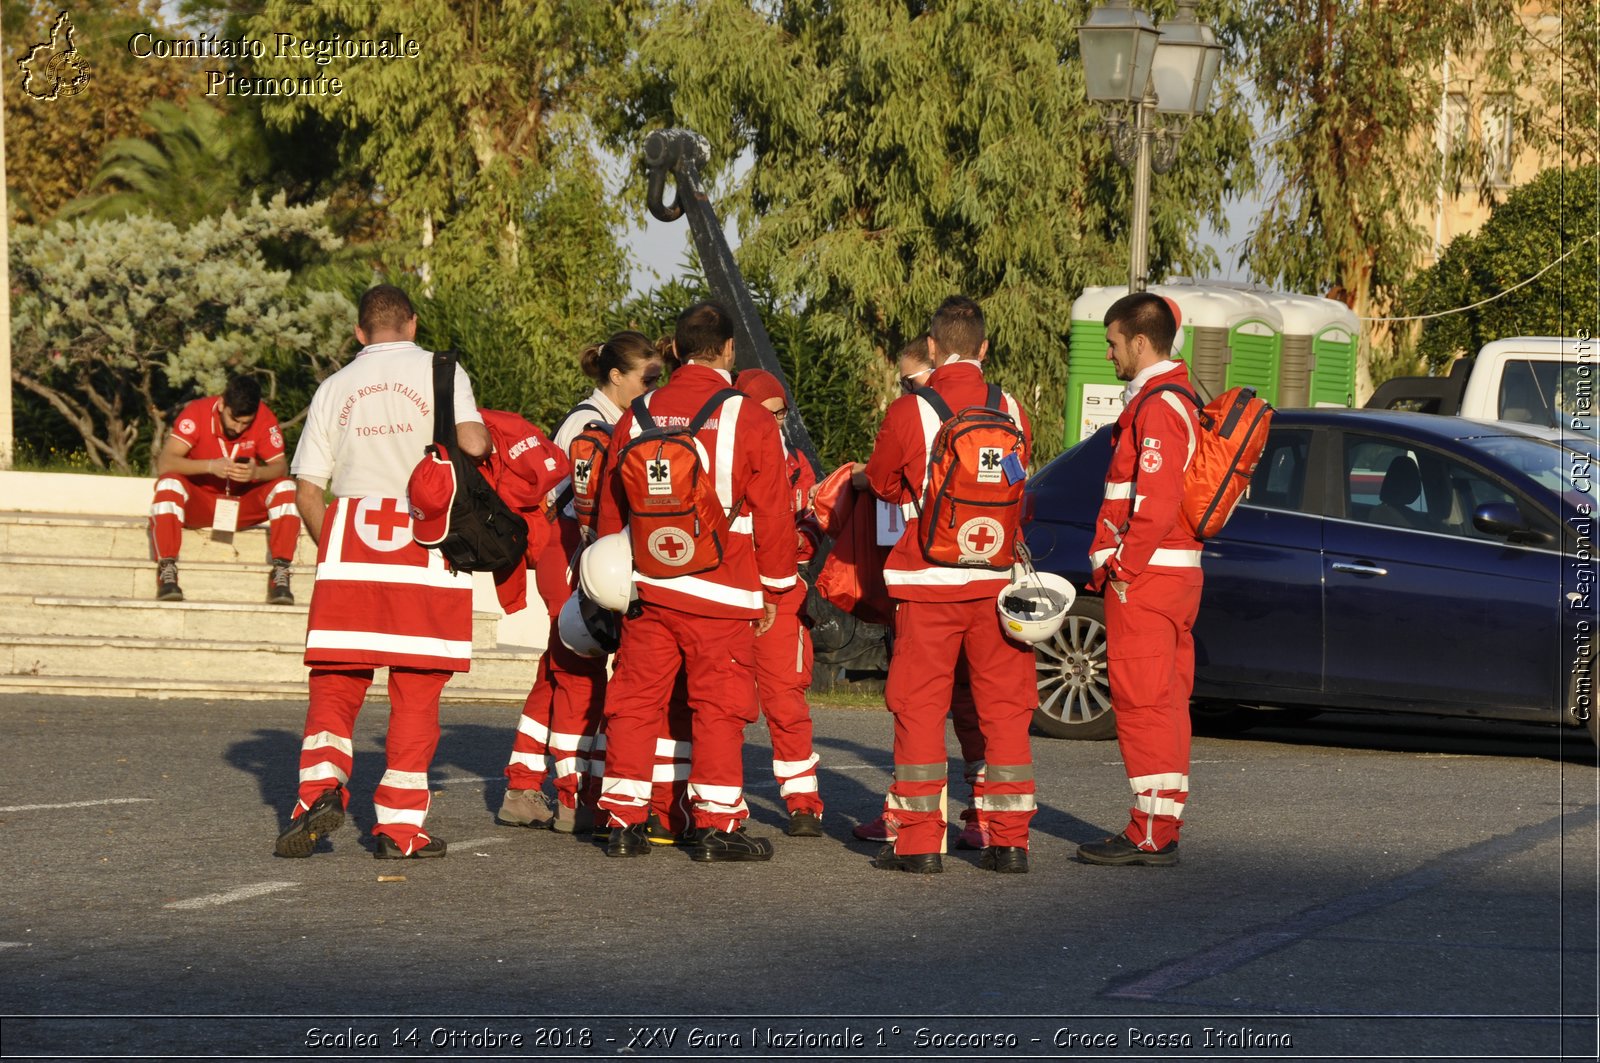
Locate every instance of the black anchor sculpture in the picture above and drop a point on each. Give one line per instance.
(683, 153)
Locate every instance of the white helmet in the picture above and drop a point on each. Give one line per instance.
(585, 628)
(1033, 606)
(605, 571)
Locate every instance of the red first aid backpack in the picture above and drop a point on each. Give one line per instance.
(976, 468)
(675, 520)
(588, 454)
(1233, 432)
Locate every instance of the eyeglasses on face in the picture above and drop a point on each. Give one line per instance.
(908, 383)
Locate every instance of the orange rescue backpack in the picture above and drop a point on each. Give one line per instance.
(587, 451)
(1233, 433)
(675, 520)
(972, 508)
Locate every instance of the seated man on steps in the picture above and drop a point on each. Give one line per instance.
(226, 453)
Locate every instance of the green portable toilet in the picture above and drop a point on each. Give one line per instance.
(1320, 337)
(1094, 394)
(1230, 336)
(1233, 336)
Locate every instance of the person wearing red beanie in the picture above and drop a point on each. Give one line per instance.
(784, 651)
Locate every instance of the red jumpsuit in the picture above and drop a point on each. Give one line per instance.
(1141, 539)
(783, 663)
(189, 501)
(701, 623)
(942, 615)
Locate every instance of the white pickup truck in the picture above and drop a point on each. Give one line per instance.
(1543, 380)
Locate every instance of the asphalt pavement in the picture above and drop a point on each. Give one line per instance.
(1351, 887)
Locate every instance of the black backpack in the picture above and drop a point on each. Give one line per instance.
(485, 535)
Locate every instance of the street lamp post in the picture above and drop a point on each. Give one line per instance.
(1141, 73)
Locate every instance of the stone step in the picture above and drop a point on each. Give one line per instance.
(112, 577)
(58, 535)
(285, 624)
(116, 657)
(458, 689)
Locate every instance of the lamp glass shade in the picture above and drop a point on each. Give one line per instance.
(1118, 45)
(1185, 65)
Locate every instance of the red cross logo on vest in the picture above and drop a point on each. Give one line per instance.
(980, 538)
(670, 546)
(383, 524)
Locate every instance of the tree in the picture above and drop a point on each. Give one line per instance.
(840, 415)
(905, 151)
(191, 169)
(1351, 95)
(1563, 45)
(1554, 214)
(480, 145)
(112, 319)
(53, 147)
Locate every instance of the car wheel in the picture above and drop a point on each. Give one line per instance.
(1074, 691)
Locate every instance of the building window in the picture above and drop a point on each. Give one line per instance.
(1499, 139)
(1456, 121)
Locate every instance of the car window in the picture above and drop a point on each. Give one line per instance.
(1396, 485)
(1567, 470)
(1539, 392)
(1280, 477)
(1383, 483)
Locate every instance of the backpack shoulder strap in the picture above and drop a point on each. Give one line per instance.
(641, 415)
(712, 404)
(996, 399)
(934, 399)
(1178, 389)
(444, 396)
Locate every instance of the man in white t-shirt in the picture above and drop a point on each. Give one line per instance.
(380, 599)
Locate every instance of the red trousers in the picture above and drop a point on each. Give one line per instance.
(783, 675)
(557, 732)
(930, 638)
(1150, 663)
(182, 503)
(326, 754)
(717, 660)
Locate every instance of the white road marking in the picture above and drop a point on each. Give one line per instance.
(78, 804)
(455, 780)
(13, 944)
(243, 893)
(475, 842)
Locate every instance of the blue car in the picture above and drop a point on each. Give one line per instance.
(1382, 561)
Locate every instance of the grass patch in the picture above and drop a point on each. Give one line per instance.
(847, 699)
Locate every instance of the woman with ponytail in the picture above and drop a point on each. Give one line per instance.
(557, 734)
